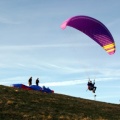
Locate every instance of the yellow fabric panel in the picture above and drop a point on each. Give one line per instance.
(109, 46)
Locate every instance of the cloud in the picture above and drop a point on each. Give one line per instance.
(76, 82)
(12, 80)
(8, 21)
(23, 47)
(65, 83)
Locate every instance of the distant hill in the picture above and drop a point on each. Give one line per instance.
(17, 104)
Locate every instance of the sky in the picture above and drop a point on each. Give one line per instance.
(33, 44)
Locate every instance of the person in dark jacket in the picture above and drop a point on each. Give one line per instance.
(30, 81)
(91, 86)
(37, 81)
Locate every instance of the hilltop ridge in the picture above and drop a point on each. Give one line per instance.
(18, 104)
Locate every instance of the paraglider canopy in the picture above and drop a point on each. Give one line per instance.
(94, 29)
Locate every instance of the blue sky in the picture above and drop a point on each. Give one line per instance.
(33, 44)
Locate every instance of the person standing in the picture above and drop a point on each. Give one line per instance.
(37, 81)
(30, 81)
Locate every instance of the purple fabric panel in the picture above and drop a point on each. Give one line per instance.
(93, 28)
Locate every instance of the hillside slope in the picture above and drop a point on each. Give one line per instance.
(17, 104)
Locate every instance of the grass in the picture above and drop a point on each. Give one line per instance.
(17, 104)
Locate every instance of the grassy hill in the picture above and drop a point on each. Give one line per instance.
(17, 104)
